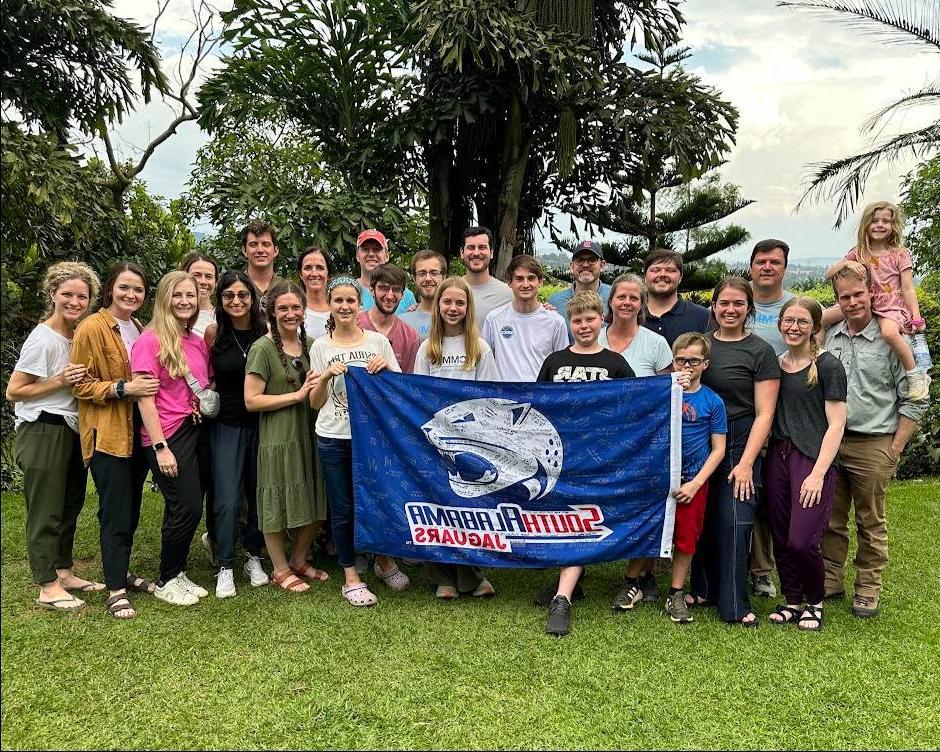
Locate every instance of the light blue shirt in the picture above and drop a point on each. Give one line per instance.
(765, 325)
(560, 301)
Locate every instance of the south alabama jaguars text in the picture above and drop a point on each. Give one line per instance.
(497, 529)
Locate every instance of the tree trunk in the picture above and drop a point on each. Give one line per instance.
(651, 229)
(512, 171)
(439, 208)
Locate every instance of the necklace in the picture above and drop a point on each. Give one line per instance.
(244, 351)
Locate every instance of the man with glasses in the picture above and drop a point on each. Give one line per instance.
(428, 269)
(387, 283)
(586, 266)
(371, 251)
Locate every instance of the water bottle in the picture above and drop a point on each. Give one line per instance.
(922, 352)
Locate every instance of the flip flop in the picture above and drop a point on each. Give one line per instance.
(310, 573)
(56, 605)
(88, 587)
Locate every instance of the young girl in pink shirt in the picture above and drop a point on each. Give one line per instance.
(893, 299)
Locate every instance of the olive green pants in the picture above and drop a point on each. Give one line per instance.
(54, 476)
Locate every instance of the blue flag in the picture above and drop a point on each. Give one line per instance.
(514, 474)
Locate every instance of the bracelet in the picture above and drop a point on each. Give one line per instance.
(918, 322)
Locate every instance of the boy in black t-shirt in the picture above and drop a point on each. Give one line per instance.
(585, 360)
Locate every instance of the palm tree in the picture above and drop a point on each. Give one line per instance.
(914, 22)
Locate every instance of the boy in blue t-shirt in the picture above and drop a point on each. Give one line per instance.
(704, 429)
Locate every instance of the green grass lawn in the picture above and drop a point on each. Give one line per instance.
(273, 670)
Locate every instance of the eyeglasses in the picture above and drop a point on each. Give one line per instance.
(788, 321)
(435, 273)
(229, 295)
(682, 362)
(585, 260)
(384, 289)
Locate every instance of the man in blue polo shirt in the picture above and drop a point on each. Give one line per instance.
(666, 313)
(586, 265)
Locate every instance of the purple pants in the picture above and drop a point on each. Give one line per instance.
(797, 532)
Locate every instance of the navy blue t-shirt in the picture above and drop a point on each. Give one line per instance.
(681, 318)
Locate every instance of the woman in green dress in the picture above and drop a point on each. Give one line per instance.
(278, 381)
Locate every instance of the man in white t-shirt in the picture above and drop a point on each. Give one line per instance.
(477, 253)
(522, 333)
(428, 268)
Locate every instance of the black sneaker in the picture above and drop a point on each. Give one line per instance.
(559, 616)
(650, 587)
(545, 596)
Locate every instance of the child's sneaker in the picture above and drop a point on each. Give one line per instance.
(677, 609)
(255, 572)
(627, 597)
(559, 616)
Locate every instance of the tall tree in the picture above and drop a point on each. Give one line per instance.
(914, 22)
(65, 63)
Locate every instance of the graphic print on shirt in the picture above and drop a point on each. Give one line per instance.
(507, 331)
(581, 373)
(337, 394)
(688, 412)
(493, 444)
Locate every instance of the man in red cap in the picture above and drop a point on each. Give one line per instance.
(372, 251)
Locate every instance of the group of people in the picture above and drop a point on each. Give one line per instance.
(233, 396)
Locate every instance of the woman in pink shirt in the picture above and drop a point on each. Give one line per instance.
(169, 350)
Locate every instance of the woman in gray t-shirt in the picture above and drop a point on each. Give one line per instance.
(808, 426)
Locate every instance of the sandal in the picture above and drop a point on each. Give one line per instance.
(310, 573)
(117, 603)
(696, 601)
(359, 595)
(60, 604)
(88, 587)
(815, 614)
(786, 613)
(395, 578)
(446, 592)
(484, 590)
(139, 584)
(755, 622)
(289, 581)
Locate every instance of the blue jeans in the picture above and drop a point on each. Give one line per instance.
(336, 463)
(720, 564)
(234, 476)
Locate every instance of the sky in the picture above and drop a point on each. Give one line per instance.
(803, 85)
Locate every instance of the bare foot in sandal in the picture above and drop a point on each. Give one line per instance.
(69, 581)
(289, 581)
(119, 606)
(309, 573)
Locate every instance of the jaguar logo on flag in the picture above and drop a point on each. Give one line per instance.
(489, 445)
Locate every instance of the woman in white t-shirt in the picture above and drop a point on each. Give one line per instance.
(48, 450)
(346, 344)
(454, 349)
(315, 267)
(647, 352)
(205, 271)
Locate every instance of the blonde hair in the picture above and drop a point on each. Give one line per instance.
(471, 334)
(862, 247)
(852, 270)
(815, 313)
(166, 327)
(586, 300)
(692, 339)
(65, 271)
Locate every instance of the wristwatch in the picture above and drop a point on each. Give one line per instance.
(159, 446)
(119, 388)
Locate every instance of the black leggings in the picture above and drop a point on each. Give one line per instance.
(182, 500)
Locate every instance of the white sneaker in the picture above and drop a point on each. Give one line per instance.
(175, 593)
(225, 583)
(255, 572)
(192, 587)
(207, 544)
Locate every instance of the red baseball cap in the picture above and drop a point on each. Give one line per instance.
(372, 235)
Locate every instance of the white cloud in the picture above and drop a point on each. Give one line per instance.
(803, 84)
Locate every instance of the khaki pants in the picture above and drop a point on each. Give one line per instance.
(868, 464)
(762, 546)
